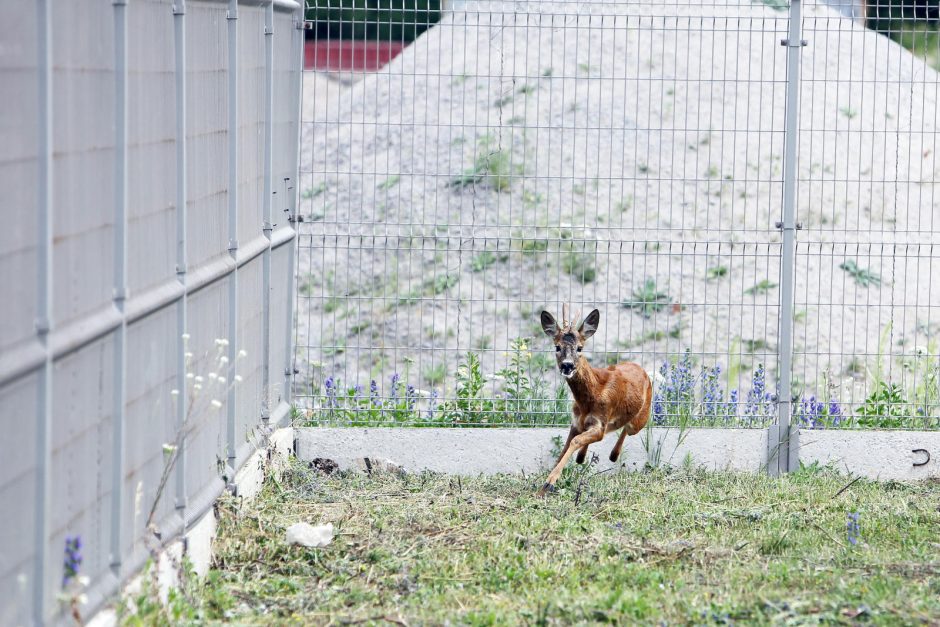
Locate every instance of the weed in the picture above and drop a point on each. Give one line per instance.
(491, 167)
(848, 112)
(435, 374)
(861, 276)
(647, 299)
(389, 183)
(761, 288)
(580, 266)
(486, 259)
(313, 192)
(716, 272)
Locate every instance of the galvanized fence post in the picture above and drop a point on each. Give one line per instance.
(119, 295)
(179, 36)
(44, 313)
(783, 457)
(232, 226)
(267, 224)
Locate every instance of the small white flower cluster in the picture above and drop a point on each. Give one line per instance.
(218, 382)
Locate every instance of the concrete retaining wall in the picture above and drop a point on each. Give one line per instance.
(492, 451)
(872, 454)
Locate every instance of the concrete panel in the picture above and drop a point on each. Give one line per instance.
(151, 151)
(206, 133)
(874, 454)
(18, 494)
(82, 428)
(281, 282)
(248, 392)
(150, 419)
(491, 451)
(250, 121)
(205, 444)
(19, 171)
(83, 164)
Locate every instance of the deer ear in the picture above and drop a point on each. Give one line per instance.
(549, 325)
(589, 326)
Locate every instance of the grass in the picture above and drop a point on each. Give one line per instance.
(658, 547)
(761, 288)
(647, 299)
(580, 266)
(716, 272)
(861, 276)
(486, 259)
(491, 167)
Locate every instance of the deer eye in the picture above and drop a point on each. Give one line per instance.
(579, 349)
(558, 349)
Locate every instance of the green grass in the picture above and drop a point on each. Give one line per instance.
(861, 276)
(486, 259)
(647, 299)
(761, 288)
(664, 546)
(491, 168)
(580, 266)
(389, 183)
(716, 272)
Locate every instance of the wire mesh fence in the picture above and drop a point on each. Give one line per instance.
(631, 157)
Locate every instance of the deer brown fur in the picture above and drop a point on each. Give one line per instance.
(605, 399)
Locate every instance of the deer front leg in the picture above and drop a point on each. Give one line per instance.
(594, 434)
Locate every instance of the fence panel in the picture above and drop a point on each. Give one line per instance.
(121, 274)
(625, 156)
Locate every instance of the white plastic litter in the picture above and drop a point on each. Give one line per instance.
(306, 534)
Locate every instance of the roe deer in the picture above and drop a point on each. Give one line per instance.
(605, 399)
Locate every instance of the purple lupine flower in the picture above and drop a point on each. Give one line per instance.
(758, 407)
(330, 386)
(411, 397)
(73, 559)
(809, 413)
(852, 528)
(731, 407)
(713, 397)
(357, 391)
(395, 379)
(432, 404)
(374, 393)
(835, 412)
(676, 394)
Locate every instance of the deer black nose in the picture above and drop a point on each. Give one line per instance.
(566, 367)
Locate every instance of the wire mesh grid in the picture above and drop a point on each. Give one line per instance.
(628, 157)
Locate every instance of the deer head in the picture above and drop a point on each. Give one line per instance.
(569, 341)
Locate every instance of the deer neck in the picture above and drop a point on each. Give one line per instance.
(583, 382)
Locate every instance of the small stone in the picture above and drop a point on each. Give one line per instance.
(308, 535)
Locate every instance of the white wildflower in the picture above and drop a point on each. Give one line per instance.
(190, 375)
(213, 376)
(216, 403)
(222, 380)
(197, 386)
(223, 359)
(242, 353)
(174, 392)
(185, 336)
(237, 378)
(198, 379)
(82, 599)
(188, 355)
(84, 580)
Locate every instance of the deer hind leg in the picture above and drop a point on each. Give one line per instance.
(582, 455)
(633, 427)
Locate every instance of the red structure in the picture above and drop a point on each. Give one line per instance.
(349, 56)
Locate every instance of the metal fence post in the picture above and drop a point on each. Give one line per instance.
(292, 199)
(267, 224)
(784, 454)
(120, 277)
(179, 34)
(232, 225)
(44, 312)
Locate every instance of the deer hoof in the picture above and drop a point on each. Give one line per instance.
(546, 489)
(614, 456)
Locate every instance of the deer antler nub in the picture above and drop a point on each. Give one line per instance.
(564, 316)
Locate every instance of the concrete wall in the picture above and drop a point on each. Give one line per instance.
(144, 148)
(872, 454)
(492, 451)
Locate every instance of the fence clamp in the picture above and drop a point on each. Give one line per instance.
(923, 451)
(786, 42)
(779, 226)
